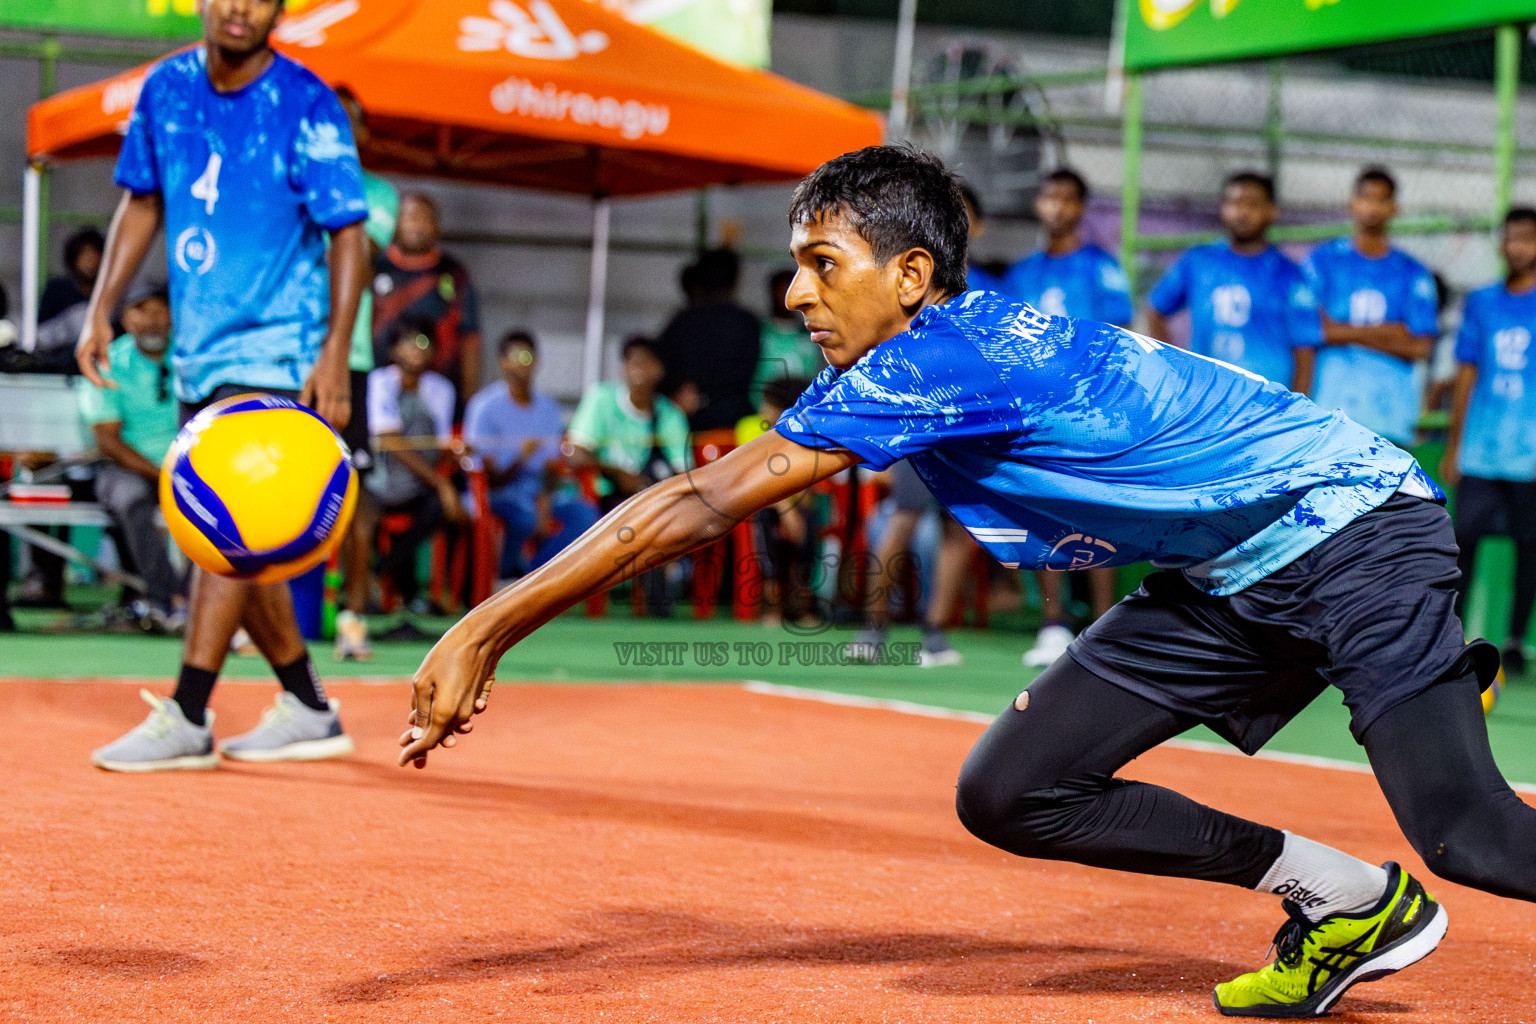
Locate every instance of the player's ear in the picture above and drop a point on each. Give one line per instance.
(914, 273)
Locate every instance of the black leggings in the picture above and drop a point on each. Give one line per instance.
(1040, 783)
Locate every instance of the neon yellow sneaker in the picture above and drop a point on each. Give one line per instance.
(1316, 963)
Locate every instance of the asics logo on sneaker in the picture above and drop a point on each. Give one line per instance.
(1305, 898)
(1330, 960)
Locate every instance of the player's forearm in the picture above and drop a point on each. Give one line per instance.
(110, 443)
(1157, 325)
(1390, 338)
(661, 523)
(349, 249)
(134, 226)
(1301, 380)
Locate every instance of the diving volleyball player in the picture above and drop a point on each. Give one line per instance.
(1296, 550)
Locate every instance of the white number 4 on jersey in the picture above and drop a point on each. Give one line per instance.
(206, 187)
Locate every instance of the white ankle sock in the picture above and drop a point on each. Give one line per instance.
(1322, 880)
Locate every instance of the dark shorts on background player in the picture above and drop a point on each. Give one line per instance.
(1370, 610)
(186, 410)
(1504, 507)
(908, 491)
(356, 434)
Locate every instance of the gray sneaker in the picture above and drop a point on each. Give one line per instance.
(867, 646)
(163, 742)
(290, 731)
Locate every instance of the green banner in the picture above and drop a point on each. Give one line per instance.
(150, 19)
(732, 30)
(1173, 33)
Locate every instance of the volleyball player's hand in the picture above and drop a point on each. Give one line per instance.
(328, 390)
(92, 351)
(451, 687)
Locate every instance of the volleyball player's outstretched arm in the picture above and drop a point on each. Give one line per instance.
(662, 522)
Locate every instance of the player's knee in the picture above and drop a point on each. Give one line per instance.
(1027, 822)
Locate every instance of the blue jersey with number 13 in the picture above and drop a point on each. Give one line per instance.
(251, 181)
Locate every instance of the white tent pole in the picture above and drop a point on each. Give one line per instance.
(592, 355)
(901, 73)
(31, 210)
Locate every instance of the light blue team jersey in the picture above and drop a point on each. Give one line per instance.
(251, 180)
(1086, 283)
(1250, 311)
(1374, 389)
(1066, 444)
(1498, 440)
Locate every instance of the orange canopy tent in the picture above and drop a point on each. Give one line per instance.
(549, 94)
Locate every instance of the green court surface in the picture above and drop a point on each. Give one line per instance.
(621, 649)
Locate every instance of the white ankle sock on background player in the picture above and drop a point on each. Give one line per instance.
(1322, 880)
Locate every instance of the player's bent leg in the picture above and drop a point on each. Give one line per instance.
(1431, 756)
(1040, 783)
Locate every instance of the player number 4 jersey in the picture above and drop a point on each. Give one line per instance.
(1068, 444)
(250, 180)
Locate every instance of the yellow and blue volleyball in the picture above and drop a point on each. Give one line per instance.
(1494, 691)
(257, 487)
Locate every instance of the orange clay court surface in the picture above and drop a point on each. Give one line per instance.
(690, 853)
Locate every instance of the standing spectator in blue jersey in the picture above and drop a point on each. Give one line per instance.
(1380, 317)
(246, 158)
(1069, 277)
(1249, 305)
(1299, 551)
(1490, 454)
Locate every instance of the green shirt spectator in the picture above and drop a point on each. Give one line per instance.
(143, 401)
(609, 426)
(785, 348)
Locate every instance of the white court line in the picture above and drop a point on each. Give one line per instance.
(906, 707)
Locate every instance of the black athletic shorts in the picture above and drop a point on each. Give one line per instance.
(1370, 610)
(187, 410)
(356, 434)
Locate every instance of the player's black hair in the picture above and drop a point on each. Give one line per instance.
(897, 199)
(85, 238)
(783, 392)
(408, 328)
(1380, 175)
(5, 303)
(517, 336)
(1258, 179)
(638, 341)
(717, 271)
(1515, 213)
(1072, 178)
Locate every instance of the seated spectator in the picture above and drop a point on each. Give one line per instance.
(710, 349)
(410, 412)
(633, 437)
(415, 278)
(65, 299)
(786, 533)
(135, 424)
(786, 348)
(516, 431)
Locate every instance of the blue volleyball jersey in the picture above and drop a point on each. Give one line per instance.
(1087, 284)
(1250, 311)
(1498, 439)
(1066, 444)
(1374, 389)
(251, 180)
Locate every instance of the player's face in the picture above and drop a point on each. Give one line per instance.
(1518, 243)
(1059, 207)
(1246, 212)
(239, 26)
(642, 370)
(416, 230)
(1372, 206)
(851, 302)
